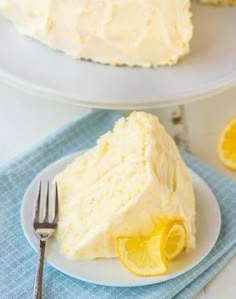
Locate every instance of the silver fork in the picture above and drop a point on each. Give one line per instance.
(44, 230)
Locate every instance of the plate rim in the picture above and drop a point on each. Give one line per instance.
(119, 285)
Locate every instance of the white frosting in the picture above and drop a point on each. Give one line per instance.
(131, 32)
(124, 186)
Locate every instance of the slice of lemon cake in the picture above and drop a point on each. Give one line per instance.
(118, 32)
(123, 186)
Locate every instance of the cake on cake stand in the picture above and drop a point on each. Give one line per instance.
(210, 68)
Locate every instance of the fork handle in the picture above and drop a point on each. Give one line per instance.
(39, 272)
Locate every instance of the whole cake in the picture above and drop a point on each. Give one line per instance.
(118, 32)
(124, 186)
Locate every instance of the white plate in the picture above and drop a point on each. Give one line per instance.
(210, 68)
(111, 272)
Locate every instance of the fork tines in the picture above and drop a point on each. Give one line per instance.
(46, 206)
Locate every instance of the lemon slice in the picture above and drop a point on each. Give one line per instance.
(142, 256)
(227, 145)
(175, 239)
(147, 256)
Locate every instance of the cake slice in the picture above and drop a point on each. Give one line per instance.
(133, 178)
(117, 32)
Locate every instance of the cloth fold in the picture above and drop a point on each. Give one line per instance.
(18, 259)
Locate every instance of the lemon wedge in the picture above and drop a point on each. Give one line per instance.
(148, 256)
(227, 145)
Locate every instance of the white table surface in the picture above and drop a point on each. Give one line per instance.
(24, 119)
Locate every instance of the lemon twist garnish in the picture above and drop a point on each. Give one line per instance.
(148, 256)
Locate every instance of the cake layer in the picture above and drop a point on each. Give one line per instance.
(118, 32)
(133, 178)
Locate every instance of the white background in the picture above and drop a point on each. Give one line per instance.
(24, 119)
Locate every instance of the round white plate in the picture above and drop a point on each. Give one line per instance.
(210, 68)
(111, 272)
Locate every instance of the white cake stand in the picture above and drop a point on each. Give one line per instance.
(210, 68)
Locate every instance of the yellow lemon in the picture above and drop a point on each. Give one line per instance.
(175, 239)
(227, 145)
(147, 256)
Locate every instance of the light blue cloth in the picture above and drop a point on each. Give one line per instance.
(18, 259)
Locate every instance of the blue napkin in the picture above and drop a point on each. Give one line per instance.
(18, 259)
